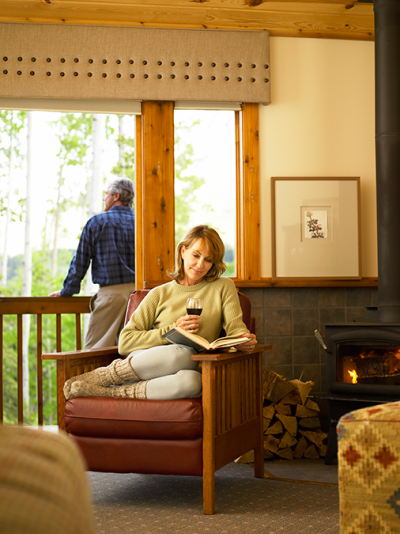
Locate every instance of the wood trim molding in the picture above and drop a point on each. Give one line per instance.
(268, 282)
(157, 204)
(239, 202)
(250, 195)
(139, 256)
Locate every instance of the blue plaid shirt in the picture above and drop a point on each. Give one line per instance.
(108, 240)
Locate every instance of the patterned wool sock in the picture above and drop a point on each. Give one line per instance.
(87, 389)
(118, 372)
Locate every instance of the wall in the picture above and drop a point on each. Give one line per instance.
(320, 123)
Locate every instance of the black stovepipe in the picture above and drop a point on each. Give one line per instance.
(387, 117)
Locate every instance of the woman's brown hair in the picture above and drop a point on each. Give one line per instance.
(215, 246)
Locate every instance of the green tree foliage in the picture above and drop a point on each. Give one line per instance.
(73, 131)
(41, 282)
(125, 167)
(186, 182)
(12, 122)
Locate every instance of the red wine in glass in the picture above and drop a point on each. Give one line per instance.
(194, 306)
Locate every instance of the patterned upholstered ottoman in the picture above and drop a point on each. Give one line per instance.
(369, 470)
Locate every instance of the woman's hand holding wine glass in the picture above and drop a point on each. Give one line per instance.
(191, 321)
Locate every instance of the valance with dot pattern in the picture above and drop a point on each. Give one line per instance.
(108, 62)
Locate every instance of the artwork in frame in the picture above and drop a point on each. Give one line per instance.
(315, 222)
(316, 228)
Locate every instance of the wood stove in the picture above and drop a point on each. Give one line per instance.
(362, 369)
(363, 360)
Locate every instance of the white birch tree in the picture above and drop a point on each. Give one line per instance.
(27, 264)
(73, 132)
(12, 124)
(96, 186)
(121, 143)
(125, 166)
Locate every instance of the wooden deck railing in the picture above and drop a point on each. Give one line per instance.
(39, 306)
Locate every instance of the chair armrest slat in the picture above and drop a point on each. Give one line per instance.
(88, 353)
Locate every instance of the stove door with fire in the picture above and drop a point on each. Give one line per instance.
(364, 361)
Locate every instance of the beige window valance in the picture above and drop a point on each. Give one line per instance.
(96, 62)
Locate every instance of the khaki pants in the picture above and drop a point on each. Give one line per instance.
(108, 315)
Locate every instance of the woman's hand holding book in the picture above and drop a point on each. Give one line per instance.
(250, 344)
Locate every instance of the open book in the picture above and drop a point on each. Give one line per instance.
(182, 337)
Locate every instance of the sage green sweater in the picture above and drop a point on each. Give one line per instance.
(163, 306)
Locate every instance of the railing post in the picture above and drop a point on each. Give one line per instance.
(1, 368)
(39, 378)
(20, 370)
(19, 306)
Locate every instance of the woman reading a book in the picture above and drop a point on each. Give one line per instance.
(155, 368)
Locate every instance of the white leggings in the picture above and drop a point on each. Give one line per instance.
(170, 370)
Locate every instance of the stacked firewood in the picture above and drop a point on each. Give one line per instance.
(292, 427)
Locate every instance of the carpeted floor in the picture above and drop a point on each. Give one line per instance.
(153, 503)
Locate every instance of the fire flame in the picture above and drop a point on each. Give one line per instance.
(354, 376)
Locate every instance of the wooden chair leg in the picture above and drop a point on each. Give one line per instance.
(61, 377)
(208, 379)
(259, 451)
(208, 491)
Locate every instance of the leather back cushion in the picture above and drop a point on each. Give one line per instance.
(137, 297)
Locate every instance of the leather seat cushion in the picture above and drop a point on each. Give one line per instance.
(107, 417)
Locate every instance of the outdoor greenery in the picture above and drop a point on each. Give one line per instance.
(69, 200)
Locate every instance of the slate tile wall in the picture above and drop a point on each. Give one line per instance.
(287, 318)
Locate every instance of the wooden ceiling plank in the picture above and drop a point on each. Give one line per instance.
(292, 5)
(347, 25)
(21, 7)
(339, 6)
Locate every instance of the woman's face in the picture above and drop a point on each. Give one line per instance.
(196, 262)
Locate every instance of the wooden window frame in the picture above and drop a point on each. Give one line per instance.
(155, 202)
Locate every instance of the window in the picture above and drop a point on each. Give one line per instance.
(72, 154)
(205, 175)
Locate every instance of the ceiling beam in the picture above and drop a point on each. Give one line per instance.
(335, 19)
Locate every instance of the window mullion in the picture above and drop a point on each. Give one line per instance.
(250, 195)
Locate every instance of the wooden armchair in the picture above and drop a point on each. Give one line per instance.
(185, 436)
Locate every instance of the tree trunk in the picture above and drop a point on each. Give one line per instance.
(96, 187)
(8, 211)
(96, 184)
(57, 215)
(27, 264)
(121, 144)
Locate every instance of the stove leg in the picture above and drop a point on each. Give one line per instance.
(332, 448)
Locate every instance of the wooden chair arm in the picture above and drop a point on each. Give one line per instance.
(226, 356)
(87, 353)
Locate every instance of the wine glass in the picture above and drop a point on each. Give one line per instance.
(194, 306)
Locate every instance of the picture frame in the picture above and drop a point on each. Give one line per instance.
(316, 230)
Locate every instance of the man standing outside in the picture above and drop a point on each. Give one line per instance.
(108, 241)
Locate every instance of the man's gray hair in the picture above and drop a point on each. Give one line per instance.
(125, 188)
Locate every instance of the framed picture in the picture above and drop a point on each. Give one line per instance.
(316, 228)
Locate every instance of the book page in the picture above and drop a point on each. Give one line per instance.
(228, 341)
